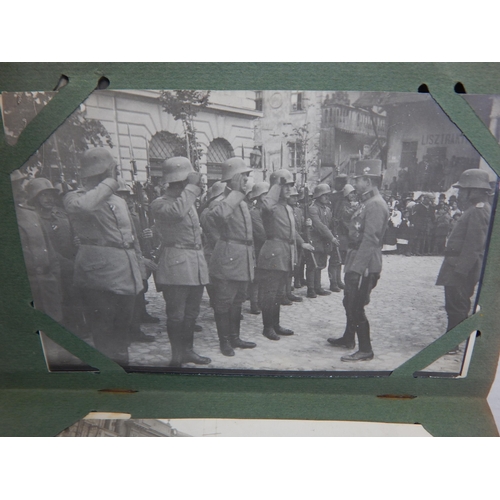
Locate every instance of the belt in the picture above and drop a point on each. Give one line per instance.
(248, 243)
(354, 246)
(123, 246)
(291, 242)
(186, 246)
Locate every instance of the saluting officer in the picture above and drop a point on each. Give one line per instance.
(278, 255)
(259, 236)
(232, 263)
(106, 265)
(182, 269)
(364, 258)
(322, 239)
(466, 245)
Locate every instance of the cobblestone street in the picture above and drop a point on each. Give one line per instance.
(406, 314)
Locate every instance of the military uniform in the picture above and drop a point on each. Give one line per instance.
(276, 260)
(363, 264)
(182, 268)
(322, 241)
(461, 268)
(106, 265)
(233, 260)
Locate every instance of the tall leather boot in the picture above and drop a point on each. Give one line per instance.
(334, 286)
(188, 355)
(268, 320)
(234, 336)
(223, 322)
(347, 340)
(365, 352)
(340, 283)
(254, 298)
(317, 283)
(276, 323)
(174, 331)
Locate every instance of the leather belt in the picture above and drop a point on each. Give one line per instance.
(290, 242)
(123, 246)
(186, 246)
(248, 243)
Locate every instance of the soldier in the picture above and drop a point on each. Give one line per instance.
(278, 254)
(210, 233)
(464, 252)
(43, 197)
(364, 258)
(259, 236)
(335, 262)
(322, 239)
(232, 263)
(40, 257)
(298, 215)
(182, 270)
(107, 263)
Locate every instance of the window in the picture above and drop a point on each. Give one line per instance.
(297, 101)
(296, 155)
(258, 100)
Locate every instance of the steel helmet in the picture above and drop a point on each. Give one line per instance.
(232, 167)
(217, 189)
(257, 189)
(348, 189)
(37, 185)
(96, 161)
(474, 178)
(368, 168)
(176, 169)
(283, 173)
(321, 189)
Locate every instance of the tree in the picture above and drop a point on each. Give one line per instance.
(184, 105)
(59, 156)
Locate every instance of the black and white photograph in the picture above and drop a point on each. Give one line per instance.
(273, 231)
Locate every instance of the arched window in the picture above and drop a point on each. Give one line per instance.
(164, 145)
(218, 152)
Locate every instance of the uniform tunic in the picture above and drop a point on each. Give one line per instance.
(107, 257)
(233, 257)
(461, 268)
(182, 261)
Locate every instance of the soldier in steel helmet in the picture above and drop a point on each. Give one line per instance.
(182, 269)
(210, 236)
(259, 236)
(279, 252)
(107, 263)
(232, 263)
(322, 239)
(364, 259)
(464, 252)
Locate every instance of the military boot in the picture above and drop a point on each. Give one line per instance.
(188, 355)
(234, 337)
(334, 286)
(223, 322)
(276, 323)
(267, 319)
(317, 283)
(340, 283)
(175, 334)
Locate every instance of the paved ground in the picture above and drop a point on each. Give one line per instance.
(406, 314)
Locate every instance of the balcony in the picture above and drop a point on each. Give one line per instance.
(353, 120)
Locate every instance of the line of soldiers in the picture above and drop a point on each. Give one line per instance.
(240, 251)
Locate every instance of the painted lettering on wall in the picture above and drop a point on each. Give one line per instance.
(442, 139)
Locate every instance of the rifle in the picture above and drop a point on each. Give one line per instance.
(307, 232)
(148, 249)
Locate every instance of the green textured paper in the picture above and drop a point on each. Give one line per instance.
(34, 402)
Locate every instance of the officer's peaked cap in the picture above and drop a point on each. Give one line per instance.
(368, 168)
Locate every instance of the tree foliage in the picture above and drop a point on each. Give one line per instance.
(184, 105)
